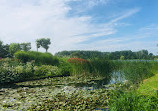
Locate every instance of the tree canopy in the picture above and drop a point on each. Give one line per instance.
(117, 55)
(14, 47)
(25, 46)
(4, 50)
(43, 42)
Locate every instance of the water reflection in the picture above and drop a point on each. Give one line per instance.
(116, 77)
(92, 84)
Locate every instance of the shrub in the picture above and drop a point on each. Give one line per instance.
(14, 73)
(10, 61)
(46, 71)
(38, 57)
(65, 67)
(9, 74)
(10, 70)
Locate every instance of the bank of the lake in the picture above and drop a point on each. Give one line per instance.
(149, 86)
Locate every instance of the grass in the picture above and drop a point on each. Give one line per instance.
(149, 86)
(131, 101)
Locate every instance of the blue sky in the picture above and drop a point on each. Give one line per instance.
(104, 25)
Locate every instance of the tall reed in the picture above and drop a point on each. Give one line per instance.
(135, 71)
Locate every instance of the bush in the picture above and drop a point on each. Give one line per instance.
(65, 67)
(38, 57)
(10, 61)
(9, 74)
(46, 71)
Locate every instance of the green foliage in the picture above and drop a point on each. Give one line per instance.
(80, 54)
(130, 101)
(80, 101)
(7, 74)
(94, 67)
(122, 57)
(46, 71)
(25, 46)
(134, 70)
(137, 71)
(14, 47)
(10, 61)
(79, 66)
(65, 67)
(38, 57)
(43, 42)
(11, 71)
(128, 54)
(101, 67)
(4, 50)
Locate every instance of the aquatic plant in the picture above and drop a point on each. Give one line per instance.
(79, 66)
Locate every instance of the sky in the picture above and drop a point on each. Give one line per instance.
(103, 25)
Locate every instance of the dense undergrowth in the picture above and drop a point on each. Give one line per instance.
(32, 65)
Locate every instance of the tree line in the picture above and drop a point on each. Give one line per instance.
(117, 55)
(8, 50)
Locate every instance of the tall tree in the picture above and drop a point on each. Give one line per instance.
(4, 50)
(38, 43)
(14, 47)
(25, 46)
(43, 42)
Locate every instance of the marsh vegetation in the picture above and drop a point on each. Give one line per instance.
(46, 82)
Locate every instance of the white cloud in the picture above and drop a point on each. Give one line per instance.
(27, 20)
(142, 39)
(126, 14)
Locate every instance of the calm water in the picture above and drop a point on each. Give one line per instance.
(117, 77)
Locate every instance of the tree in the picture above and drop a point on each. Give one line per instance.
(122, 57)
(14, 47)
(25, 46)
(43, 42)
(4, 50)
(38, 44)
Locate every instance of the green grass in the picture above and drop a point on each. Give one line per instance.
(149, 86)
(131, 101)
